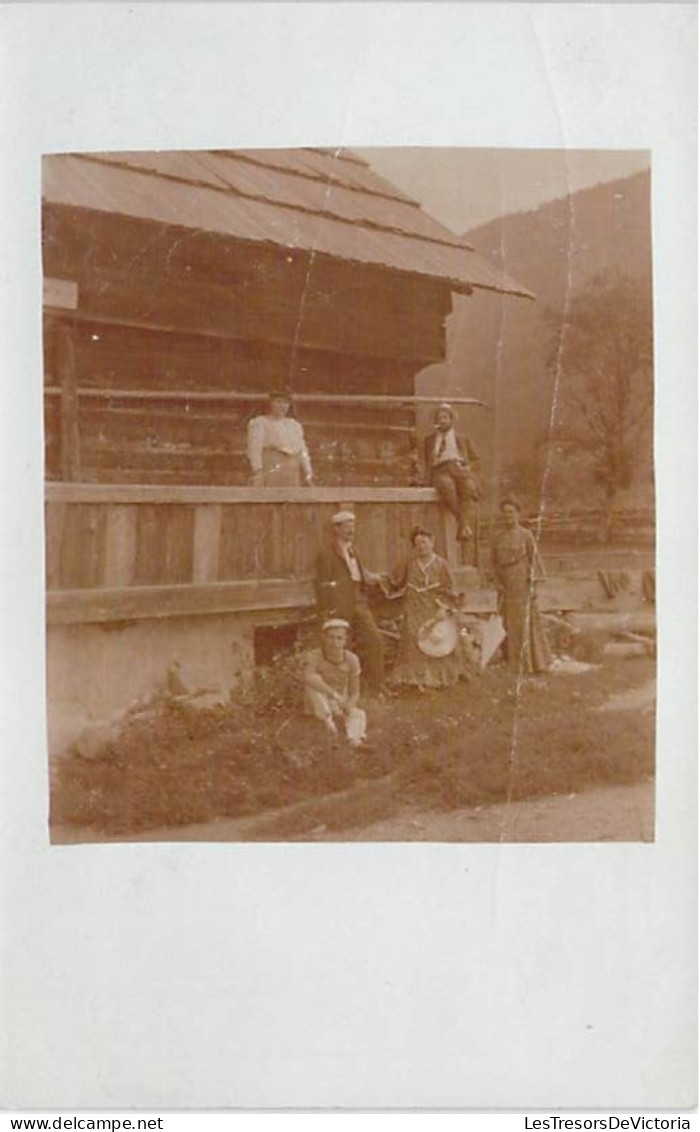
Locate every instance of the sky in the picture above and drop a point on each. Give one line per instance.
(464, 188)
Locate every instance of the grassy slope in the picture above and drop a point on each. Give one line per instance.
(487, 741)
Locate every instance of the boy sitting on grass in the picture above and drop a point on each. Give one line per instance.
(332, 684)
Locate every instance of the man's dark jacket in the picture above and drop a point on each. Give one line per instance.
(336, 593)
(465, 448)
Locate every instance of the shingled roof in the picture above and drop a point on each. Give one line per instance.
(329, 202)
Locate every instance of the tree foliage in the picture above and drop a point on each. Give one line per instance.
(601, 355)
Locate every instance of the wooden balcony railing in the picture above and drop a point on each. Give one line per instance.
(117, 553)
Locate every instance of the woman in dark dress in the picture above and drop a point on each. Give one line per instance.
(517, 569)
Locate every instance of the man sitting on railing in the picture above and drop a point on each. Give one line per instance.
(332, 684)
(451, 467)
(342, 585)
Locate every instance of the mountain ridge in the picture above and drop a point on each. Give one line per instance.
(498, 345)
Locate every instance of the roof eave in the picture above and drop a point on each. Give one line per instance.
(458, 285)
(462, 288)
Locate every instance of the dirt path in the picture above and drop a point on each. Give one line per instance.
(610, 813)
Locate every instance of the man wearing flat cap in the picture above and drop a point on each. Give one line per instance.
(277, 451)
(451, 466)
(342, 588)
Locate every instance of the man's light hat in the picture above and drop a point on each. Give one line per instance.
(343, 517)
(335, 623)
(444, 407)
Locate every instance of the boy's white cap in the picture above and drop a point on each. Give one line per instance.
(335, 623)
(343, 517)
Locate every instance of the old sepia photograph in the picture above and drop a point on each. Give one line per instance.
(350, 511)
(349, 586)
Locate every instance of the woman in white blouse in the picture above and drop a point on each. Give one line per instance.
(277, 450)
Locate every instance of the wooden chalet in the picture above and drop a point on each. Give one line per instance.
(181, 279)
(179, 287)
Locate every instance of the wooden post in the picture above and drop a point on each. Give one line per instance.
(207, 541)
(477, 533)
(69, 425)
(453, 548)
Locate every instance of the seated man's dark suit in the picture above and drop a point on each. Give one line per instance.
(455, 480)
(339, 596)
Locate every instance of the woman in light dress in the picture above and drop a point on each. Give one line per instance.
(517, 569)
(428, 590)
(277, 450)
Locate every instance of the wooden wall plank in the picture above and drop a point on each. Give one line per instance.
(179, 545)
(120, 551)
(220, 283)
(305, 538)
(150, 545)
(371, 536)
(398, 523)
(52, 438)
(231, 559)
(282, 553)
(134, 465)
(54, 520)
(148, 564)
(207, 541)
(82, 554)
(144, 537)
(164, 544)
(123, 355)
(373, 323)
(247, 542)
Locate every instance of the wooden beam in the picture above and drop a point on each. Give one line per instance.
(235, 419)
(69, 428)
(206, 311)
(156, 493)
(69, 607)
(372, 399)
(295, 597)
